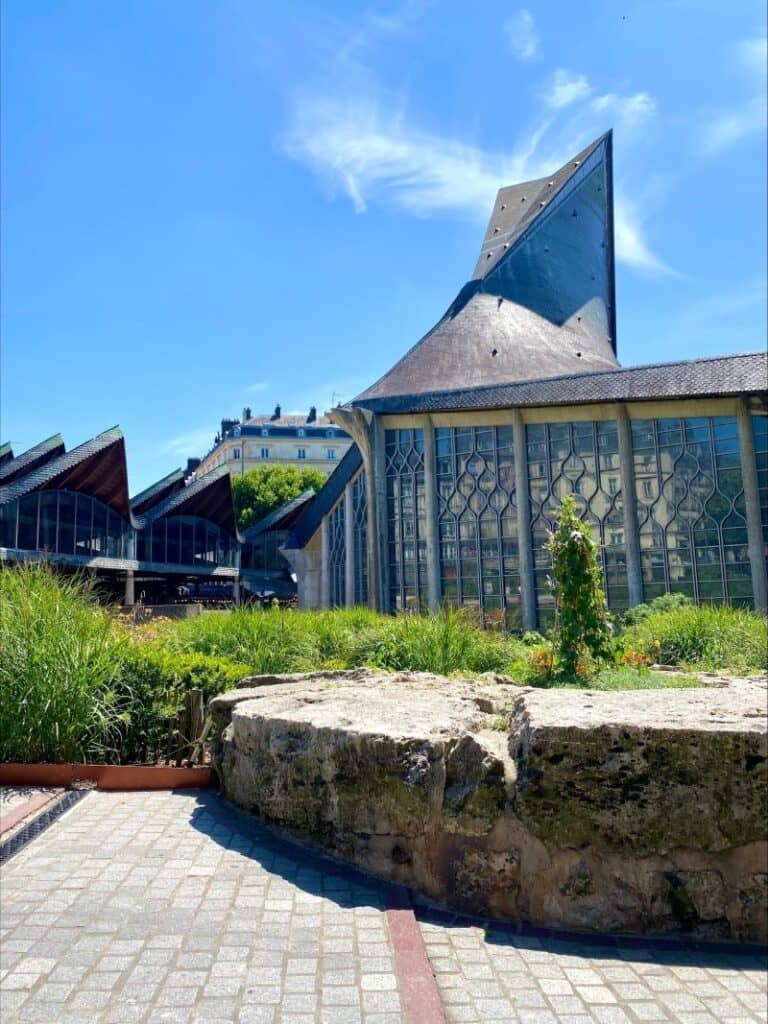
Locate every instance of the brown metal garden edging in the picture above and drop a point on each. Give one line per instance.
(106, 776)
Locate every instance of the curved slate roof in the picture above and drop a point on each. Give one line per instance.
(309, 521)
(281, 518)
(31, 458)
(694, 378)
(210, 497)
(157, 492)
(6, 452)
(97, 468)
(541, 301)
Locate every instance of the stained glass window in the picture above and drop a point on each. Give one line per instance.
(337, 556)
(360, 537)
(581, 459)
(477, 521)
(406, 524)
(691, 508)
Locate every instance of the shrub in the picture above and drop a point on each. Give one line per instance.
(59, 672)
(582, 627)
(158, 681)
(664, 603)
(709, 637)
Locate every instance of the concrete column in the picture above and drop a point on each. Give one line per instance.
(431, 514)
(629, 502)
(236, 590)
(752, 499)
(325, 563)
(349, 547)
(524, 543)
(130, 594)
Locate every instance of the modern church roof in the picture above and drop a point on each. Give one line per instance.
(541, 301)
(31, 458)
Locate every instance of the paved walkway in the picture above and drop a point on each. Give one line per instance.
(171, 907)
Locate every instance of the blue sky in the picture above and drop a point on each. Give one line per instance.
(209, 204)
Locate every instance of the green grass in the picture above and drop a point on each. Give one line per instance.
(77, 683)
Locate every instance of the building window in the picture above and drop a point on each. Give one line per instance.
(330, 453)
(337, 556)
(581, 459)
(330, 433)
(265, 433)
(301, 453)
(360, 538)
(235, 453)
(265, 453)
(302, 432)
(406, 524)
(477, 521)
(692, 513)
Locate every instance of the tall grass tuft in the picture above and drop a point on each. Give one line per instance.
(709, 637)
(59, 668)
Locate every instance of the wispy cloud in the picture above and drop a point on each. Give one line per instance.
(195, 442)
(374, 157)
(566, 88)
(627, 113)
(522, 35)
(726, 126)
(258, 387)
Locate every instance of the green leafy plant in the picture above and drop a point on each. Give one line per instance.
(259, 491)
(582, 626)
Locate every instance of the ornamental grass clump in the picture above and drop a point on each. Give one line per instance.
(60, 698)
(582, 629)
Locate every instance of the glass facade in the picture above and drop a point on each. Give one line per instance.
(337, 555)
(406, 525)
(760, 431)
(65, 523)
(186, 540)
(263, 553)
(580, 459)
(360, 538)
(691, 508)
(477, 521)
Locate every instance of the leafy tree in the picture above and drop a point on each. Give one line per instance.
(259, 491)
(582, 624)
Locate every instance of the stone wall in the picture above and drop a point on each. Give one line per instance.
(642, 811)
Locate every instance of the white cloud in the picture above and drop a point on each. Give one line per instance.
(258, 387)
(567, 88)
(626, 112)
(728, 125)
(372, 157)
(195, 442)
(521, 32)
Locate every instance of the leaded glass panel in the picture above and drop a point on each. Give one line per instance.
(691, 508)
(581, 459)
(406, 524)
(64, 523)
(477, 521)
(760, 432)
(360, 537)
(337, 555)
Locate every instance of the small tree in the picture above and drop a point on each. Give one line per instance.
(259, 491)
(582, 624)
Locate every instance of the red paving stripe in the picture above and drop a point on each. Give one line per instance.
(24, 810)
(416, 980)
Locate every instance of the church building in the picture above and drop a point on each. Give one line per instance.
(515, 398)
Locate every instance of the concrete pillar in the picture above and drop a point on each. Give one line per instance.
(629, 502)
(236, 590)
(349, 547)
(752, 499)
(431, 514)
(325, 563)
(130, 593)
(527, 587)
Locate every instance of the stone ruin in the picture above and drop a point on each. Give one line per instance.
(635, 811)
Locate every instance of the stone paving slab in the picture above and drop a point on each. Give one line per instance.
(488, 975)
(164, 908)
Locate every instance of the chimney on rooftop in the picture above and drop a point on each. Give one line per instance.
(276, 413)
(192, 465)
(246, 413)
(312, 414)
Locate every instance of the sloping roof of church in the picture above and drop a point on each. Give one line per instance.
(693, 378)
(97, 468)
(32, 457)
(541, 301)
(210, 497)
